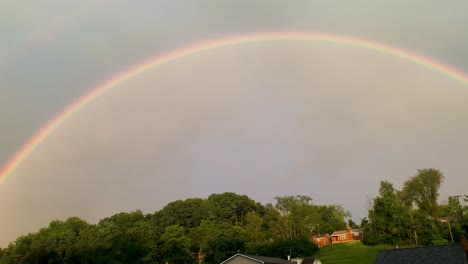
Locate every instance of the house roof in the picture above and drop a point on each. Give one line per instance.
(308, 260)
(340, 232)
(447, 254)
(261, 259)
(322, 236)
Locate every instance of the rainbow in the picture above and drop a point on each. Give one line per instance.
(22, 154)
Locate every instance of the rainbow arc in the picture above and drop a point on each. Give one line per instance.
(22, 154)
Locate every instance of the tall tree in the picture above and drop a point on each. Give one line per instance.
(231, 207)
(332, 218)
(187, 213)
(204, 236)
(297, 216)
(423, 190)
(389, 218)
(352, 224)
(175, 245)
(254, 227)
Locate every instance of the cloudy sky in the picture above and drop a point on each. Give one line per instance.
(262, 119)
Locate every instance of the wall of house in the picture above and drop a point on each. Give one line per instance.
(321, 241)
(342, 238)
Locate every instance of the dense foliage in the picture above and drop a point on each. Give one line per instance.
(413, 216)
(215, 228)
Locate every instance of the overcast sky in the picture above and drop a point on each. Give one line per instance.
(262, 119)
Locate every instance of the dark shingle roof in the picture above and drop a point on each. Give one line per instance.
(268, 260)
(308, 260)
(447, 254)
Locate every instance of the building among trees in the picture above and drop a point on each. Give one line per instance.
(340, 236)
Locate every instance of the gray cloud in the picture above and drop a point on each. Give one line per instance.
(310, 118)
(263, 119)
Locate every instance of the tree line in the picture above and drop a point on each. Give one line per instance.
(185, 231)
(412, 215)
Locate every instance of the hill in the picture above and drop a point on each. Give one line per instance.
(354, 252)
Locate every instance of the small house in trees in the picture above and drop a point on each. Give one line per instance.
(253, 259)
(358, 234)
(342, 236)
(322, 240)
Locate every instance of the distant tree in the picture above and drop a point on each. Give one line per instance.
(423, 190)
(186, 213)
(254, 227)
(450, 209)
(389, 218)
(352, 224)
(297, 216)
(332, 218)
(364, 222)
(204, 236)
(272, 226)
(175, 245)
(231, 207)
(216, 227)
(122, 238)
(230, 240)
(429, 231)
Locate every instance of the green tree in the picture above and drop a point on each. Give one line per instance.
(121, 239)
(175, 245)
(230, 240)
(297, 216)
(204, 236)
(423, 190)
(332, 218)
(187, 213)
(216, 227)
(254, 227)
(364, 222)
(231, 207)
(352, 224)
(450, 209)
(389, 218)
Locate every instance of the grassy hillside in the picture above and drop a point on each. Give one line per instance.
(354, 252)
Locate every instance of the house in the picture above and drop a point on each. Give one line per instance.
(342, 236)
(446, 254)
(253, 259)
(358, 234)
(322, 240)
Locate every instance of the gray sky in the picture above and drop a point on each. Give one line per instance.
(263, 119)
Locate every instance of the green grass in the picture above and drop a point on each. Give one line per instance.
(353, 252)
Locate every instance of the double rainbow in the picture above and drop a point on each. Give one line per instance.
(22, 154)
